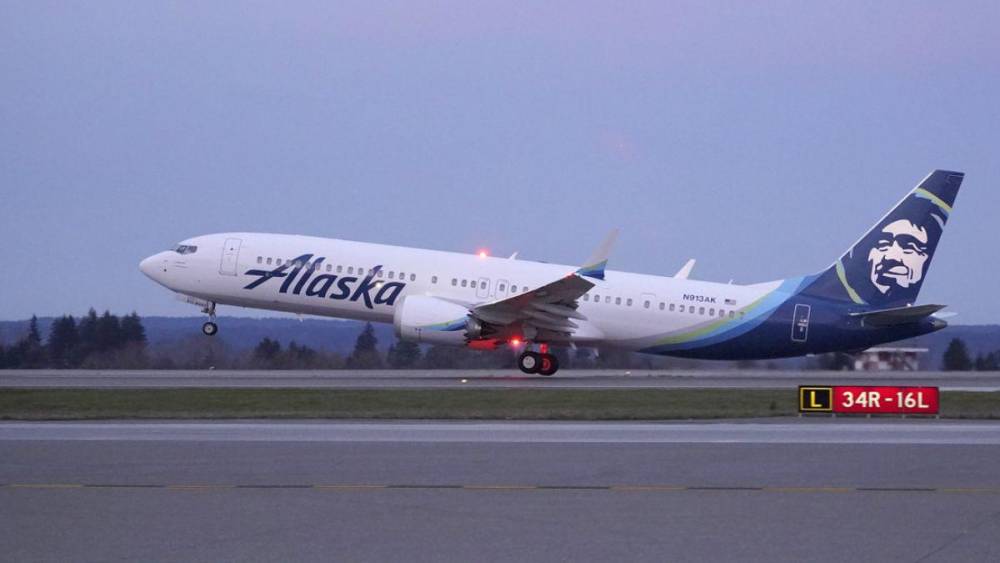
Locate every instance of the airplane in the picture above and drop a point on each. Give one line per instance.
(866, 297)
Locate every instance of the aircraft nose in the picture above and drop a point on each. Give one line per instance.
(150, 265)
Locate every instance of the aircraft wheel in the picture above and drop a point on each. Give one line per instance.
(549, 365)
(210, 328)
(529, 362)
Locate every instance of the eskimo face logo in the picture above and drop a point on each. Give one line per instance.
(298, 277)
(899, 256)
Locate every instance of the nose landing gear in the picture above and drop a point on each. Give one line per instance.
(210, 328)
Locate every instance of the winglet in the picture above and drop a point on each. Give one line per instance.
(594, 266)
(685, 270)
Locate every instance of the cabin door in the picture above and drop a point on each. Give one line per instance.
(230, 256)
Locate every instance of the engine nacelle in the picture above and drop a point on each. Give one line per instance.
(430, 320)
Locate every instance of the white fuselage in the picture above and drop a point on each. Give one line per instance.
(621, 310)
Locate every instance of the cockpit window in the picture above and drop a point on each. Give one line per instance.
(186, 249)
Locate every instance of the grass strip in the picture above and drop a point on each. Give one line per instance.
(453, 404)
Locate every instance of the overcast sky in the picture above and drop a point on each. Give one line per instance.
(760, 138)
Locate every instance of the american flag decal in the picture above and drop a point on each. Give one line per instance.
(730, 301)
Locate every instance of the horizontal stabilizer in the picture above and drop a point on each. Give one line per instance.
(898, 315)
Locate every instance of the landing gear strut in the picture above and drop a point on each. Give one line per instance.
(210, 328)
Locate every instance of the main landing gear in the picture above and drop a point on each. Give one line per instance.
(541, 363)
(210, 328)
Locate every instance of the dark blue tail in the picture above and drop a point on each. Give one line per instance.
(888, 265)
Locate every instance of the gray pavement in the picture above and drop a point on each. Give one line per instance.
(812, 431)
(808, 489)
(436, 379)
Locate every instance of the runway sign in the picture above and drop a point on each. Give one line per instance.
(815, 399)
(869, 399)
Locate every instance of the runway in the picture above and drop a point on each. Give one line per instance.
(809, 489)
(506, 379)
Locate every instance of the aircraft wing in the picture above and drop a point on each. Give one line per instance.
(551, 306)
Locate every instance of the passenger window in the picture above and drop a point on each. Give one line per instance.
(629, 302)
(618, 300)
(646, 303)
(340, 268)
(662, 305)
(268, 261)
(465, 283)
(434, 279)
(413, 277)
(454, 281)
(586, 297)
(380, 272)
(361, 271)
(691, 309)
(671, 307)
(501, 287)
(732, 314)
(350, 269)
(402, 276)
(701, 311)
(721, 313)
(682, 309)
(260, 259)
(392, 275)
(711, 312)
(329, 267)
(513, 289)
(607, 299)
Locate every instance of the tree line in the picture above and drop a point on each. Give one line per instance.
(957, 358)
(107, 341)
(93, 341)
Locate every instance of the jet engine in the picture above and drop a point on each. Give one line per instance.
(429, 320)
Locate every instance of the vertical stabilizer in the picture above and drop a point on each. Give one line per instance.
(887, 267)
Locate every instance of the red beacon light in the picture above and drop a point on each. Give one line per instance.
(482, 253)
(515, 342)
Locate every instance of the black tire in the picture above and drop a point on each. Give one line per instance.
(549, 365)
(529, 362)
(210, 328)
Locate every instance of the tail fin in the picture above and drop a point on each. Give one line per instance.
(888, 265)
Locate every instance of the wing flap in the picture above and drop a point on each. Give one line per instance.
(549, 307)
